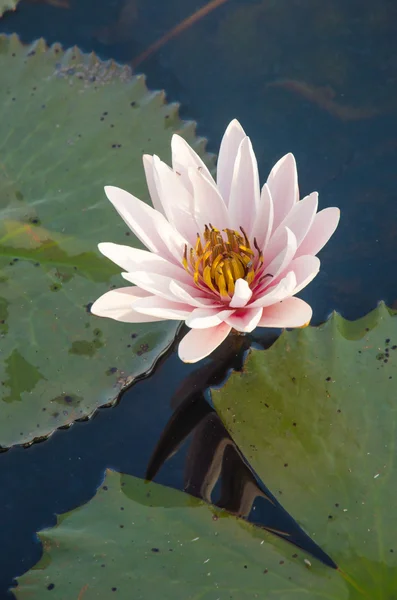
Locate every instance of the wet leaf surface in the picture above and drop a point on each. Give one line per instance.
(134, 539)
(69, 124)
(315, 415)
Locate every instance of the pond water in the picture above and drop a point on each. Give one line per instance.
(318, 79)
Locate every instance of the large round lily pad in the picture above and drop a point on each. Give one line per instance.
(135, 540)
(316, 416)
(69, 124)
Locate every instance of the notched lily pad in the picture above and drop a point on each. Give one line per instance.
(7, 5)
(146, 541)
(316, 416)
(69, 124)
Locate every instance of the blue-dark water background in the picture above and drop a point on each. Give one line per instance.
(315, 78)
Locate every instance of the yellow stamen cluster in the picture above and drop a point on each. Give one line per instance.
(217, 261)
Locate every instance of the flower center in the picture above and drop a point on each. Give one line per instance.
(219, 258)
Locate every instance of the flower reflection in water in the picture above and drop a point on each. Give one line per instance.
(215, 469)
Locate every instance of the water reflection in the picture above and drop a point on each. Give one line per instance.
(214, 468)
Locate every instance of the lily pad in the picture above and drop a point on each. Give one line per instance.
(316, 416)
(147, 541)
(7, 5)
(69, 124)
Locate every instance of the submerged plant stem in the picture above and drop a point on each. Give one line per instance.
(196, 16)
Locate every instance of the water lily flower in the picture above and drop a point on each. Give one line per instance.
(220, 255)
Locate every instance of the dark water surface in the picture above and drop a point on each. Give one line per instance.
(315, 78)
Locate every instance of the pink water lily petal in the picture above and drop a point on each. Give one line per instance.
(199, 343)
(245, 191)
(272, 295)
(263, 223)
(283, 185)
(198, 299)
(159, 168)
(154, 284)
(284, 235)
(150, 226)
(117, 304)
(292, 312)
(284, 257)
(300, 218)
(231, 141)
(177, 200)
(209, 206)
(183, 158)
(154, 195)
(242, 294)
(202, 318)
(324, 225)
(133, 259)
(162, 308)
(305, 268)
(245, 319)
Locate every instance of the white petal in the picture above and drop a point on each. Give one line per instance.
(244, 191)
(300, 218)
(162, 308)
(177, 201)
(209, 206)
(199, 343)
(154, 195)
(159, 285)
(324, 225)
(231, 141)
(263, 223)
(245, 319)
(202, 318)
(242, 294)
(271, 295)
(292, 312)
(184, 157)
(117, 304)
(150, 226)
(284, 257)
(198, 299)
(283, 185)
(133, 259)
(305, 269)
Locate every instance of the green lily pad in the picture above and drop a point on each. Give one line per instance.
(315, 415)
(147, 541)
(69, 124)
(7, 5)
